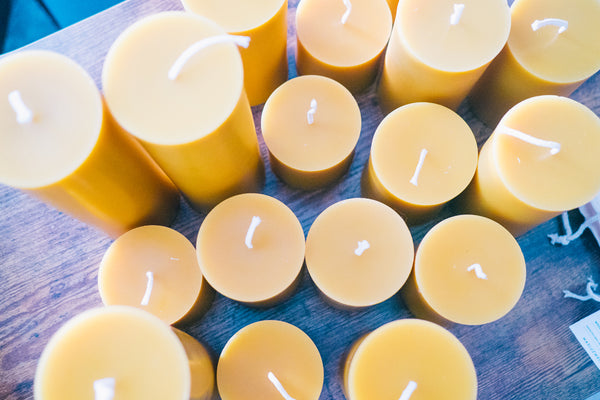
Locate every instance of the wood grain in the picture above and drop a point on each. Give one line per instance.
(48, 267)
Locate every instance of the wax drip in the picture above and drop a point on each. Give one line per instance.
(104, 389)
(414, 179)
(560, 23)
(408, 391)
(362, 246)
(310, 114)
(24, 113)
(279, 386)
(553, 146)
(149, 287)
(590, 288)
(569, 235)
(346, 15)
(457, 14)
(250, 234)
(478, 271)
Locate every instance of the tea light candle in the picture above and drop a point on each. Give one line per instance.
(311, 125)
(342, 39)
(270, 360)
(553, 48)
(439, 49)
(175, 81)
(58, 143)
(265, 22)
(202, 369)
(422, 156)
(409, 359)
(359, 252)
(250, 248)
(155, 268)
(540, 160)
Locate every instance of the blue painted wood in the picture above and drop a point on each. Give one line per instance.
(26, 21)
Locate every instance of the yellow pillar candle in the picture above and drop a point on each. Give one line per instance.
(270, 360)
(311, 125)
(250, 248)
(468, 270)
(171, 82)
(422, 156)
(265, 22)
(58, 143)
(342, 39)
(438, 49)
(409, 359)
(121, 352)
(202, 369)
(553, 48)
(542, 159)
(359, 252)
(155, 268)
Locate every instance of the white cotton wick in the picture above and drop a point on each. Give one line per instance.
(310, 114)
(24, 113)
(149, 286)
(243, 41)
(560, 23)
(250, 234)
(362, 246)
(569, 236)
(414, 179)
(279, 386)
(104, 389)
(591, 286)
(478, 271)
(174, 259)
(553, 146)
(457, 14)
(346, 15)
(410, 388)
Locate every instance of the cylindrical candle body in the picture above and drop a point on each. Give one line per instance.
(520, 184)
(311, 151)
(70, 155)
(542, 61)
(269, 347)
(347, 52)
(198, 126)
(422, 156)
(429, 59)
(175, 291)
(265, 22)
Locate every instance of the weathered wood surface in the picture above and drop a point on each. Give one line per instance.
(48, 267)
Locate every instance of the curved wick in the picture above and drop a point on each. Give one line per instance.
(362, 246)
(310, 115)
(415, 178)
(346, 15)
(24, 113)
(149, 286)
(104, 389)
(560, 23)
(279, 386)
(457, 14)
(250, 233)
(553, 146)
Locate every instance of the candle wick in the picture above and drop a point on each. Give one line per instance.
(362, 246)
(457, 14)
(250, 234)
(279, 386)
(310, 115)
(24, 113)
(569, 235)
(243, 41)
(561, 23)
(104, 389)
(478, 271)
(591, 286)
(149, 286)
(410, 388)
(414, 179)
(346, 15)
(174, 259)
(553, 146)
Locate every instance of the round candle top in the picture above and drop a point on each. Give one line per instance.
(410, 350)
(268, 358)
(359, 252)
(532, 172)
(154, 268)
(135, 350)
(311, 123)
(424, 153)
(50, 118)
(250, 247)
(363, 35)
(453, 35)
(470, 269)
(157, 109)
(556, 40)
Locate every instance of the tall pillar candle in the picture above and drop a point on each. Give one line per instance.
(342, 39)
(439, 49)
(58, 143)
(265, 22)
(172, 82)
(553, 48)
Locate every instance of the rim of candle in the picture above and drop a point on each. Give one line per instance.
(24, 113)
(560, 23)
(408, 391)
(175, 70)
(457, 14)
(346, 15)
(415, 178)
(149, 287)
(553, 146)
(478, 271)
(362, 246)
(310, 114)
(251, 229)
(104, 389)
(279, 386)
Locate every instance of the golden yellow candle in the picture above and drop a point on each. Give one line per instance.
(542, 159)
(155, 268)
(393, 6)
(58, 143)
(202, 369)
(553, 48)
(439, 49)
(250, 248)
(468, 270)
(265, 22)
(359, 252)
(342, 39)
(409, 359)
(270, 360)
(311, 125)
(422, 156)
(171, 82)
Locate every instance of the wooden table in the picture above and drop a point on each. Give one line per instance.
(48, 267)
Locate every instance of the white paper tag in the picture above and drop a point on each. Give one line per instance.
(587, 332)
(589, 210)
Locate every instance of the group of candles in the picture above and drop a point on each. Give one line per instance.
(176, 118)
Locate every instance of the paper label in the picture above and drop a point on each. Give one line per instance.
(587, 332)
